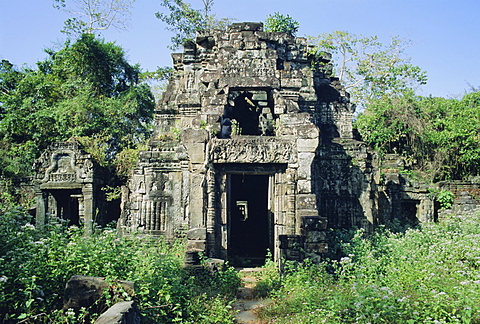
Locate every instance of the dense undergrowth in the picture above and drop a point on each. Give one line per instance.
(429, 274)
(35, 265)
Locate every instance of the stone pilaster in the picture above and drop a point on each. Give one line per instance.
(88, 205)
(210, 211)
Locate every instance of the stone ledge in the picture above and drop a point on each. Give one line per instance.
(120, 313)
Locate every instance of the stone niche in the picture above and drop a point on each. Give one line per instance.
(252, 151)
(67, 185)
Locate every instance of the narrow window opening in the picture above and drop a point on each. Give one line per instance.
(248, 112)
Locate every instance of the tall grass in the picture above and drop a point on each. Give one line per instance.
(426, 275)
(35, 265)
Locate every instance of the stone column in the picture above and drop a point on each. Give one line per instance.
(88, 206)
(41, 208)
(185, 193)
(211, 212)
(290, 201)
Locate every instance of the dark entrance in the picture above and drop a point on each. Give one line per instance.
(67, 205)
(250, 230)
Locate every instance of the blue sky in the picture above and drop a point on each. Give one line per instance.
(445, 33)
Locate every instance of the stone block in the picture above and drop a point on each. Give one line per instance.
(306, 201)
(292, 106)
(190, 135)
(307, 212)
(197, 234)
(263, 103)
(214, 109)
(307, 145)
(196, 245)
(314, 223)
(196, 204)
(308, 131)
(196, 152)
(86, 291)
(121, 313)
(305, 160)
(292, 254)
(291, 83)
(193, 257)
(316, 247)
(260, 96)
(304, 186)
(315, 236)
(290, 241)
(297, 119)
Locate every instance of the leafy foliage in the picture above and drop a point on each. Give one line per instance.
(36, 264)
(185, 21)
(426, 275)
(368, 68)
(445, 198)
(281, 24)
(87, 91)
(435, 135)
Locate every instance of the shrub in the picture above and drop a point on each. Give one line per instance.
(424, 275)
(35, 265)
(445, 198)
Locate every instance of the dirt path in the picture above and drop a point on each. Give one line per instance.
(246, 303)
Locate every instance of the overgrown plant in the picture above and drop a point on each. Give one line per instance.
(36, 263)
(424, 275)
(281, 24)
(269, 278)
(445, 198)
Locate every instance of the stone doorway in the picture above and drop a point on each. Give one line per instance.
(66, 204)
(250, 219)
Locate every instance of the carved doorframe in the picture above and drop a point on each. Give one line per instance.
(218, 244)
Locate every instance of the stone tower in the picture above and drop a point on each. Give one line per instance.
(252, 151)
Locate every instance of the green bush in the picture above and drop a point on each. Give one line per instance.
(424, 275)
(446, 199)
(35, 265)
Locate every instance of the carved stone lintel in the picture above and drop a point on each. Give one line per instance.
(252, 150)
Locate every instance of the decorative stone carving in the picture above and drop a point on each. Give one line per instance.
(252, 150)
(68, 185)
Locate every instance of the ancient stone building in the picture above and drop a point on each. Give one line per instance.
(252, 151)
(67, 185)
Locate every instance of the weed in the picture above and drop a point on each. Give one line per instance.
(36, 263)
(427, 274)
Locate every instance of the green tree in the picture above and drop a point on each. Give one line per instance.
(185, 21)
(89, 16)
(281, 24)
(438, 137)
(87, 91)
(368, 68)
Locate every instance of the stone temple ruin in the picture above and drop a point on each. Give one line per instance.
(68, 185)
(253, 151)
(242, 160)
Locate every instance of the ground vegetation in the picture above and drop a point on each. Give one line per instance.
(36, 264)
(427, 274)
